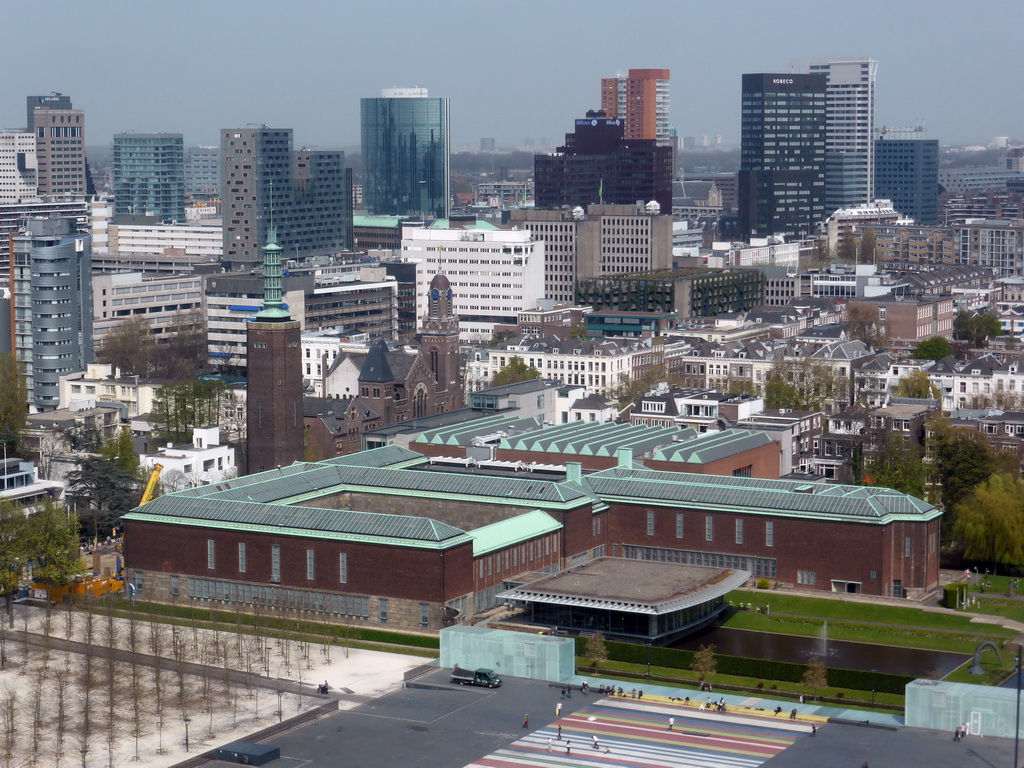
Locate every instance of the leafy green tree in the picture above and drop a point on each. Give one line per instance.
(804, 384)
(596, 649)
(916, 384)
(177, 408)
(12, 551)
(897, 465)
(105, 490)
(51, 544)
(578, 331)
(976, 329)
(704, 662)
(990, 522)
(515, 370)
(935, 348)
(867, 246)
(120, 451)
(13, 400)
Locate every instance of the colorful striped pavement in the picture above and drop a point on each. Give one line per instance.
(635, 734)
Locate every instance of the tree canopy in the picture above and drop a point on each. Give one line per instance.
(897, 465)
(178, 408)
(803, 384)
(976, 329)
(935, 348)
(513, 371)
(990, 522)
(962, 459)
(131, 347)
(916, 384)
(51, 544)
(863, 323)
(105, 491)
(13, 400)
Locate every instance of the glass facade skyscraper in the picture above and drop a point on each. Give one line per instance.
(405, 154)
(149, 175)
(781, 184)
(907, 172)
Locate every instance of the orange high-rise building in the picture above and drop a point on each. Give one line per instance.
(641, 101)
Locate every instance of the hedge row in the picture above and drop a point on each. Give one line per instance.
(949, 594)
(758, 669)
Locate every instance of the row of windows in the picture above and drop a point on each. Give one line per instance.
(765, 567)
(709, 524)
(275, 561)
(353, 606)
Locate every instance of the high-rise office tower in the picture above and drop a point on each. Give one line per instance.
(52, 300)
(310, 192)
(849, 129)
(202, 171)
(406, 154)
(781, 186)
(599, 165)
(59, 129)
(17, 166)
(149, 175)
(641, 100)
(907, 172)
(274, 390)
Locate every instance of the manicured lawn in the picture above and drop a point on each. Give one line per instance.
(855, 611)
(924, 637)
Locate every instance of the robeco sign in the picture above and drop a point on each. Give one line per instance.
(782, 81)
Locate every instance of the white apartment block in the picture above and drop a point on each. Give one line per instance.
(202, 462)
(493, 273)
(843, 223)
(160, 301)
(17, 166)
(767, 251)
(204, 243)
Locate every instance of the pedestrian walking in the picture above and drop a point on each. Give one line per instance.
(801, 698)
(568, 747)
(558, 709)
(671, 722)
(814, 730)
(526, 721)
(595, 742)
(559, 733)
(792, 715)
(549, 743)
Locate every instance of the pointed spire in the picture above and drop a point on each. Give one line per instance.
(273, 305)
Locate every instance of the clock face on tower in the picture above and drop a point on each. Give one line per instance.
(449, 293)
(435, 294)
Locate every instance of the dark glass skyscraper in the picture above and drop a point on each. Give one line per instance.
(149, 175)
(405, 153)
(782, 155)
(907, 172)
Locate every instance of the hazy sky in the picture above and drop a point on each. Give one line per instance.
(512, 70)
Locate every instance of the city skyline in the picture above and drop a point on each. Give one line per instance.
(951, 68)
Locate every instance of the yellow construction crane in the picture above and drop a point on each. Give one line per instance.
(154, 478)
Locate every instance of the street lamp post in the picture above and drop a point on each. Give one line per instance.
(84, 751)
(873, 688)
(187, 721)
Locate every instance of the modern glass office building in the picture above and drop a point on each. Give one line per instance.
(405, 153)
(782, 155)
(907, 172)
(149, 175)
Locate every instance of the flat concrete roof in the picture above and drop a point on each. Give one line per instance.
(637, 586)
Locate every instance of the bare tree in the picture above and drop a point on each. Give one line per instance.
(112, 641)
(61, 684)
(135, 681)
(157, 646)
(38, 723)
(8, 716)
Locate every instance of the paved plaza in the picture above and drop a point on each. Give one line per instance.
(440, 725)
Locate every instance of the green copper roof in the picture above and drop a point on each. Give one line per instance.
(390, 222)
(742, 494)
(587, 438)
(463, 434)
(506, 533)
(711, 446)
(446, 224)
(394, 530)
(273, 306)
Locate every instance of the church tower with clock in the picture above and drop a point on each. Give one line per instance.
(439, 344)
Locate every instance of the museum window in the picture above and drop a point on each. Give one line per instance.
(769, 533)
(139, 577)
(275, 563)
(424, 615)
(241, 557)
(343, 568)
(650, 522)
(175, 584)
(709, 528)
(595, 525)
(679, 525)
(211, 562)
(739, 531)
(906, 547)
(310, 565)
(382, 610)
(806, 577)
